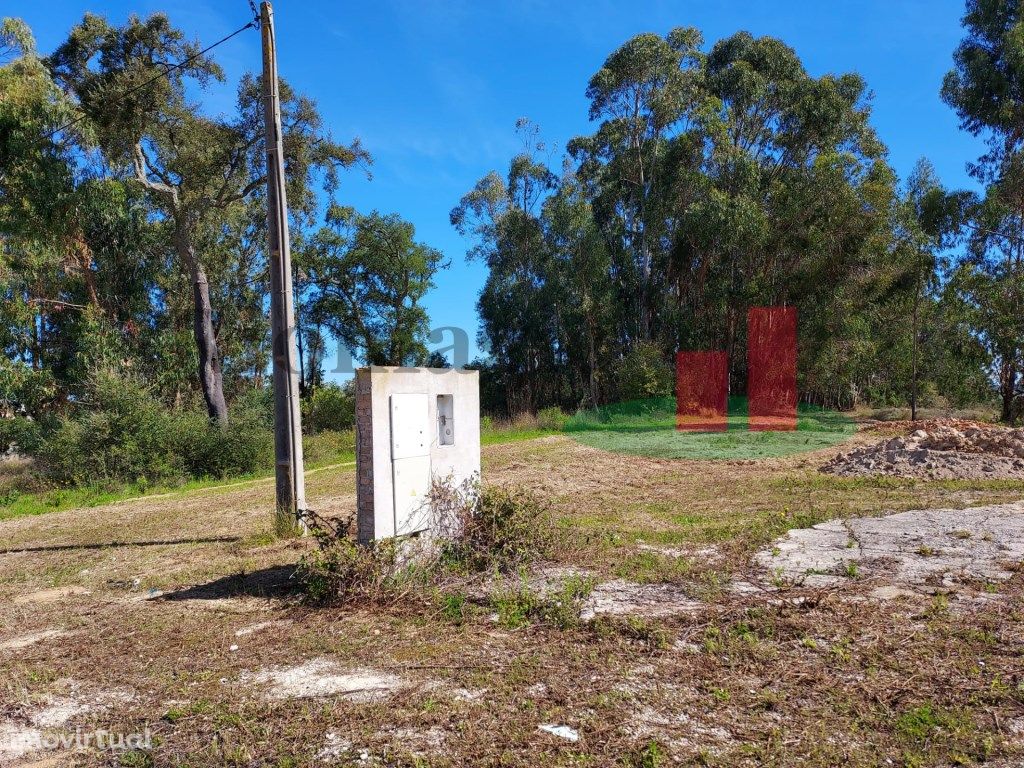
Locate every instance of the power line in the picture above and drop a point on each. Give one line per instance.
(252, 24)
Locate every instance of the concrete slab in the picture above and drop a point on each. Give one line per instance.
(909, 548)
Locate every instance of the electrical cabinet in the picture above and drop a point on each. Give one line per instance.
(414, 426)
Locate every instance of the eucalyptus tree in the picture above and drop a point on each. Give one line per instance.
(991, 282)
(519, 312)
(197, 170)
(986, 85)
(927, 221)
(37, 184)
(646, 93)
(75, 271)
(986, 89)
(34, 173)
(583, 291)
(713, 182)
(796, 203)
(368, 276)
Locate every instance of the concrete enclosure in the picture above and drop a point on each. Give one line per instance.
(412, 425)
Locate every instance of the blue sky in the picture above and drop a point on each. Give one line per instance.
(433, 89)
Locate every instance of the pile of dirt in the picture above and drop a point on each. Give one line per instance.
(905, 427)
(945, 450)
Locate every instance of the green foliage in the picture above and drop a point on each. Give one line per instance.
(919, 724)
(985, 88)
(368, 276)
(643, 373)
(239, 449)
(552, 418)
(651, 755)
(454, 606)
(128, 234)
(330, 408)
(329, 447)
(652, 567)
(341, 570)
(20, 434)
(122, 434)
(717, 179)
(559, 605)
(514, 607)
(477, 529)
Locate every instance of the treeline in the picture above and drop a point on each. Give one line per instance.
(133, 248)
(724, 178)
(133, 272)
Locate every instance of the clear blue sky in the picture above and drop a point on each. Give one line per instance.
(433, 89)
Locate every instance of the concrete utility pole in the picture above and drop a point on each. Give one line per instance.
(291, 484)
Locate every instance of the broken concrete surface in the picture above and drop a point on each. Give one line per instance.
(17, 741)
(24, 641)
(915, 548)
(323, 677)
(23, 737)
(621, 598)
(617, 597)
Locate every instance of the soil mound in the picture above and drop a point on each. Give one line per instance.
(940, 450)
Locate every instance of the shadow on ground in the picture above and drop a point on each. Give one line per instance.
(275, 582)
(114, 544)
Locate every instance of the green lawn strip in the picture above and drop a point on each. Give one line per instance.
(648, 428)
(61, 499)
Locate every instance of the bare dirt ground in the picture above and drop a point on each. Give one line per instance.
(712, 635)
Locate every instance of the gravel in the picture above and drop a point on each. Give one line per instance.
(940, 452)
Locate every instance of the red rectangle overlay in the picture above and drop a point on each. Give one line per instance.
(771, 365)
(702, 391)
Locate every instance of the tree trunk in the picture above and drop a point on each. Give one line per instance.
(1008, 387)
(913, 383)
(210, 377)
(84, 256)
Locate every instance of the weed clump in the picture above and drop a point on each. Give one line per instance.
(340, 570)
(520, 605)
(489, 528)
(474, 530)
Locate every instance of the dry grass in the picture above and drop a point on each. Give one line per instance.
(797, 677)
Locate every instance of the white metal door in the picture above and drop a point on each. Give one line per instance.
(410, 461)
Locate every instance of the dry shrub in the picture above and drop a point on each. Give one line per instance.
(489, 528)
(474, 529)
(341, 570)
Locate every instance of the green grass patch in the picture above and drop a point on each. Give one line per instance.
(327, 449)
(648, 428)
(652, 567)
(321, 450)
(495, 435)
